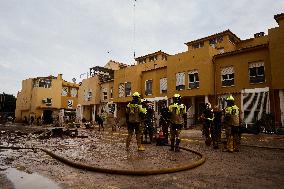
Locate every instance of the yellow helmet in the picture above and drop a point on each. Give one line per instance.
(230, 98)
(136, 94)
(177, 96)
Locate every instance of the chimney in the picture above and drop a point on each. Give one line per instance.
(59, 77)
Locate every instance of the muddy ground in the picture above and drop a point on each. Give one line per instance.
(250, 168)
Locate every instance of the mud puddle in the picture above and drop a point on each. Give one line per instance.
(23, 180)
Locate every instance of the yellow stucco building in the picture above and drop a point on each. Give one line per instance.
(96, 92)
(211, 68)
(48, 98)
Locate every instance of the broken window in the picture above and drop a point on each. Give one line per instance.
(148, 87)
(45, 83)
(227, 76)
(64, 91)
(42, 82)
(256, 72)
(193, 79)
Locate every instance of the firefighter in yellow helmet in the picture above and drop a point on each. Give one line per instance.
(135, 113)
(232, 123)
(176, 113)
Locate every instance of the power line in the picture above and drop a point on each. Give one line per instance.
(134, 27)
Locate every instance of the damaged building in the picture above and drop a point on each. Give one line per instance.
(96, 93)
(47, 99)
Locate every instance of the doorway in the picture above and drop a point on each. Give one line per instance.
(47, 117)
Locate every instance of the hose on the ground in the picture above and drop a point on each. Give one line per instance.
(183, 167)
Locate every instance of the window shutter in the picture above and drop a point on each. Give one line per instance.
(180, 79)
(227, 70)
(256, 64)
(163, 84)
(121, 90)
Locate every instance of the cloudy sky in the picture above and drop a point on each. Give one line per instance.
(47, 37)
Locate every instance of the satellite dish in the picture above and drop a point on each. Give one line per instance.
(74, 80)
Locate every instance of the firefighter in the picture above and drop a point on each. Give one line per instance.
(134, 116)
(164, 121)
(232, 122)
(216, 131)
(176, 113)
(208, 123)
(149, 123)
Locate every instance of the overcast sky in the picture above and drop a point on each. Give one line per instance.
(47, 37)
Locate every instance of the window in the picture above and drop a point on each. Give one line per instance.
(141, 61)
(121, 90)
(89, 95)
(127, 89)
(44, 83)
(164, 57)
(74, 92)
(47, 101)
(70, 104)
(104, 93)
(64, 91)
(256, 72)
(198, 45)
(180, 81)
(148, 87)
(214, 41)
(163, 85)
(227, 76)
(151, 59)
(193, 79)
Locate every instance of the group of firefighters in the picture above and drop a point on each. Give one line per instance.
(174, 117)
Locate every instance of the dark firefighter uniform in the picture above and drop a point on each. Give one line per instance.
(134, 116)
(176, 113)
(231, 123)
(208, 123)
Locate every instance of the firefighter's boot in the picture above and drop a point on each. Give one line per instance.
(139, 145)
(177, 145)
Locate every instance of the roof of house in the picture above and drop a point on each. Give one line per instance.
(245, 49)
(226, 32)
(148, 55)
